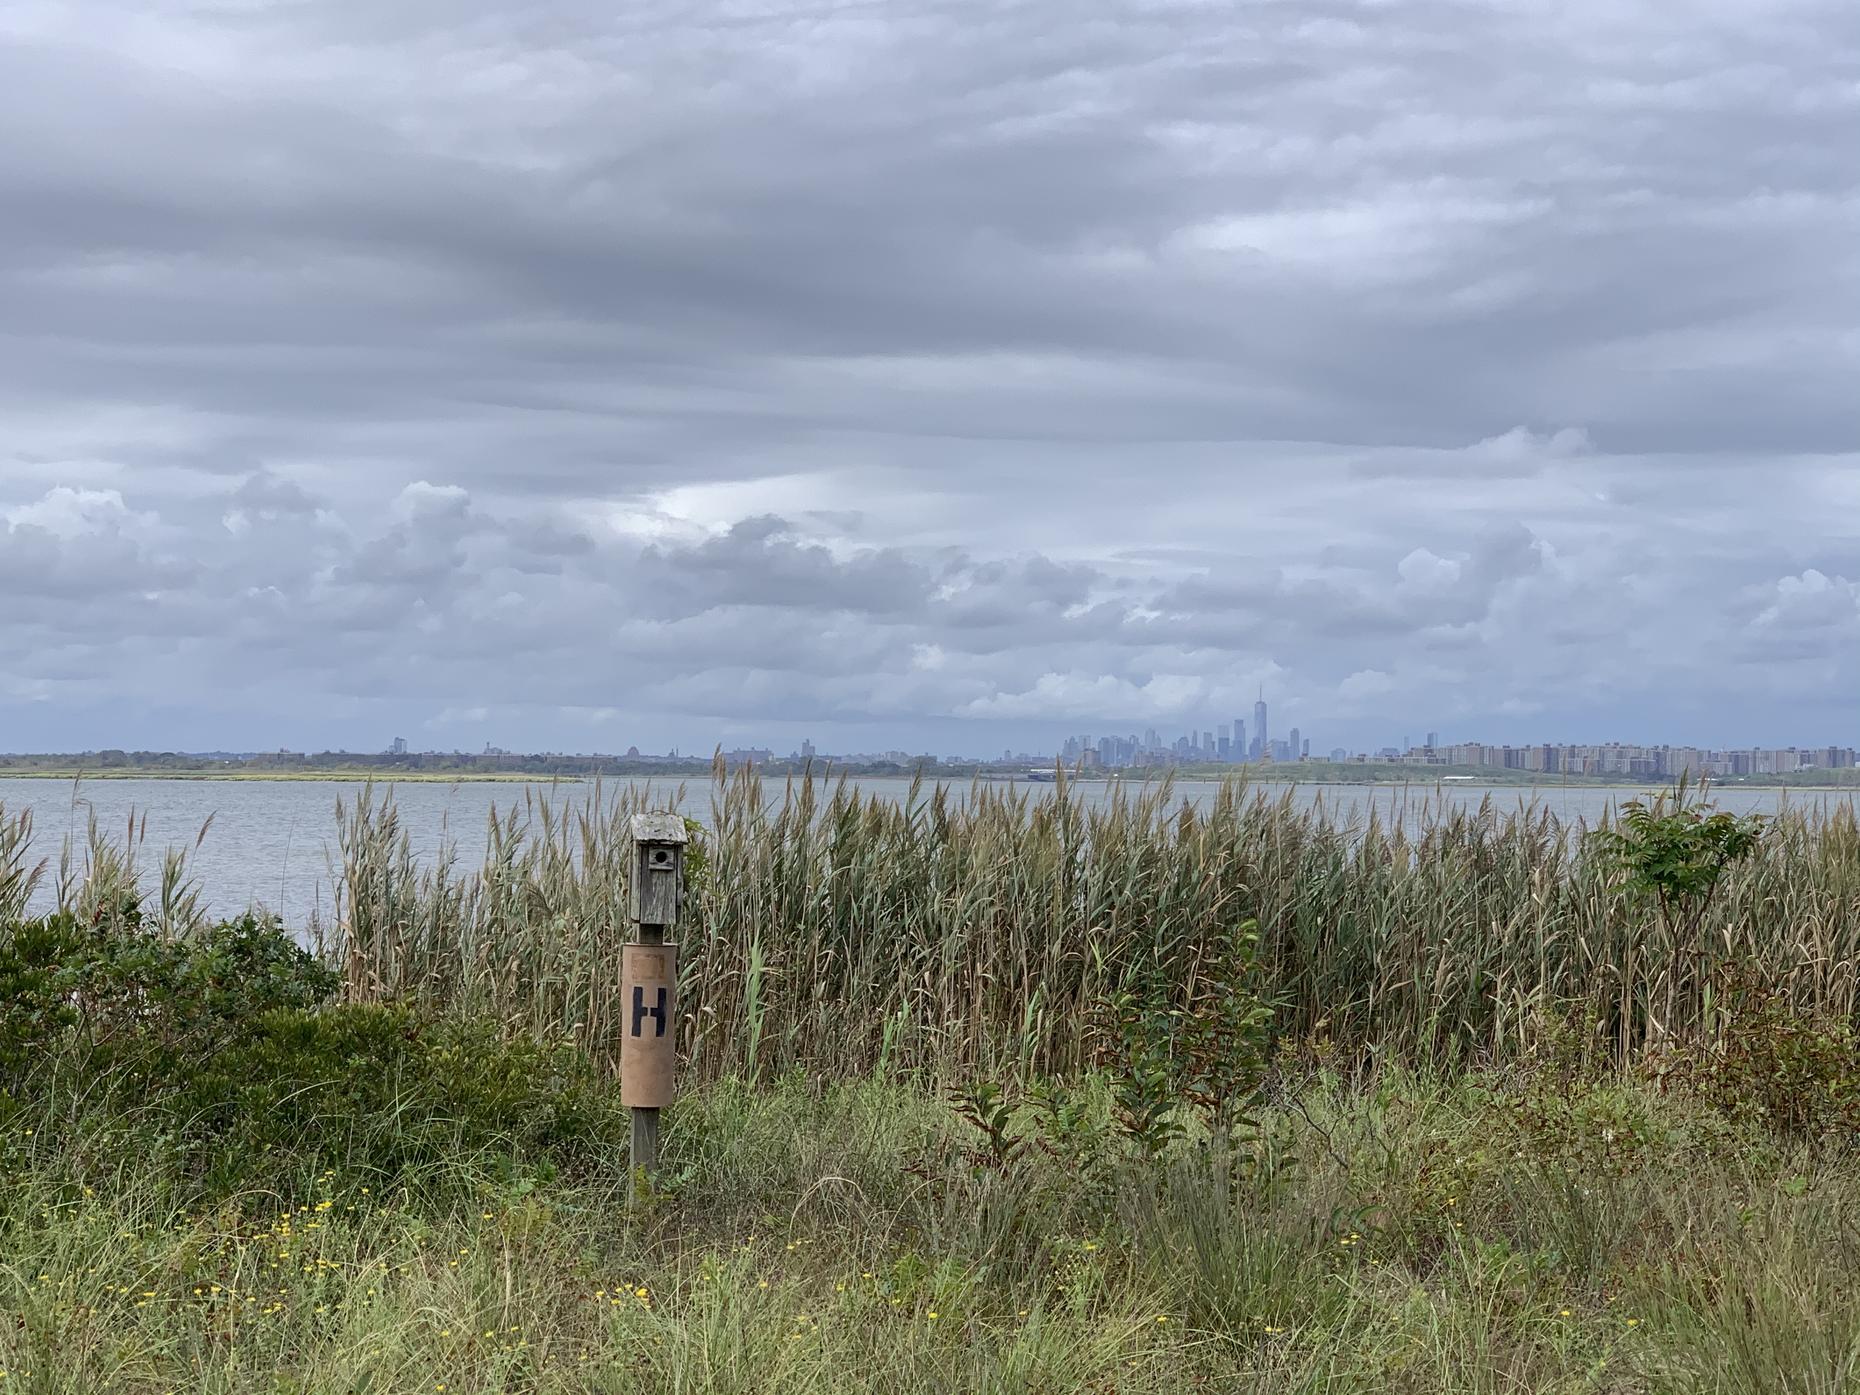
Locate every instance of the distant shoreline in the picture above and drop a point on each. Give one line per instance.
(397, 777)
(1326, 774)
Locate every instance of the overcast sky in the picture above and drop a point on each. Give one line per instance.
(949, 376)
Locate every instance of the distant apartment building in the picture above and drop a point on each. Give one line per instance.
(1624, 760)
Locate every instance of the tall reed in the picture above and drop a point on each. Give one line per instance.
(103, 884)
(980, 927)
(532, 937)
(19, 876)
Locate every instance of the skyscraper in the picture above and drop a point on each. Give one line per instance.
(1239, 746)
(1294, 747)
(1261, 735)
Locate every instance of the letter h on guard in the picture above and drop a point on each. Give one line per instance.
(641, 1012)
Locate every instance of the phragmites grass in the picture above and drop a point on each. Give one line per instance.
(101, 881)
(103, 884)
(980, 928)
(19, 876)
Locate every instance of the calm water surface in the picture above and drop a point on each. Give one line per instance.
(271, 842)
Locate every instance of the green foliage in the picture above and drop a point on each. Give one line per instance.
(1678, 856)
(1179, 1051)
(222, 1051)
(1138, 1055)
(379, 1090)
(113, 991)
(1794, 1074)
(1594, 1126)
(984, 1107)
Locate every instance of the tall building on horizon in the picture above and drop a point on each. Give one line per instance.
(1262, 736)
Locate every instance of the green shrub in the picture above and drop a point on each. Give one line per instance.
(221, 1050)
(1796, 1075)
(1676, 857)
(1591, 1126)
(379, 1089)
(110, 992)
(1185, 1047)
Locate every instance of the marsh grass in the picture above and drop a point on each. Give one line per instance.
(813, 1238)
(20, 875)
(974, 929)
(100, 880)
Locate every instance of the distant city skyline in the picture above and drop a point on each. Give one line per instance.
(1227, 743)
(964, 740)
(1223, 743)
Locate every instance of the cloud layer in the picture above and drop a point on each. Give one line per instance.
(946, 375)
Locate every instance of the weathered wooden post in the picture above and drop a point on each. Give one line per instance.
(649, 981)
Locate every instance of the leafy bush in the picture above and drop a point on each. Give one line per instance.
(1796, 1075)
(1592, 1126)
(115, 991)
(1677, 856)
(379, 1089)
(985, 1107)
(221, 1049)
(1178, 1050)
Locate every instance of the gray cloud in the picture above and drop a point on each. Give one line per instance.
(952, 373)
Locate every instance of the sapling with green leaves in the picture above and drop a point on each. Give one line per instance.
(1177, 1050)
(1678, 856)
